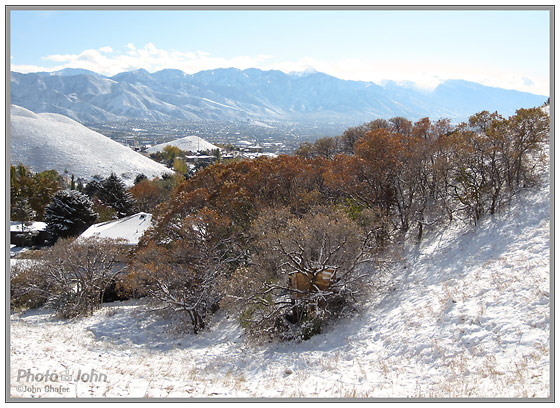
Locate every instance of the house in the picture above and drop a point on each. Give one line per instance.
(129, 229)
(33, 234)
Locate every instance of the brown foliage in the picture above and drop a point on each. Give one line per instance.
(148, 194)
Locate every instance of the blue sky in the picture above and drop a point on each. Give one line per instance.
(509, 49)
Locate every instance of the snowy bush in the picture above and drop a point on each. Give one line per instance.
(69, 214)
(29, 287)
(306, 271)
(188, 274)
(71, 277)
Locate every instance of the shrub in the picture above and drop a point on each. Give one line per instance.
(306, 271)
(188, 273)
(71, 277)
(29, 287)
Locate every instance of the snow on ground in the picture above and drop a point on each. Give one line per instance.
(50, 141)
(15, 251)
(466, 314)
(187, 144)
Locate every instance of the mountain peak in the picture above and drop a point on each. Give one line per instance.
(308, 70)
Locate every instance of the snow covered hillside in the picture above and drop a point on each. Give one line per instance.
(187, 144)
(465, 314)
(50, 141)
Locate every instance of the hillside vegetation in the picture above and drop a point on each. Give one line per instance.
(464, 314)
(430, 240)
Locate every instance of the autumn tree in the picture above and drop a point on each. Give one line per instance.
(492, 158)
(492, 146)
(325, 147)
(527, 130)
(147, 194)
(168, 155)
(36, 189)
(400, 125)
(377, 158)
(180, 167)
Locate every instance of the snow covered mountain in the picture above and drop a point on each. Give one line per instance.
(51, 141)
(231, 94)
(187, 144)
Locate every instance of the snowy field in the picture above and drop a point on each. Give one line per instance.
(466, 315)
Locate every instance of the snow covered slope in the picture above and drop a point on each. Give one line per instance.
(187, 144)
(50, 141)
(465, 314)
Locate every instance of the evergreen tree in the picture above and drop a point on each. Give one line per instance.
(21, 211)
(139, 178)
(80, 185)
(113, 193)
(20, 182)
(69, 214)
(92, 188)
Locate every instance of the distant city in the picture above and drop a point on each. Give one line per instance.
(270, 137)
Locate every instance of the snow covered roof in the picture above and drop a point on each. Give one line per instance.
(34, 226)
(130, 228)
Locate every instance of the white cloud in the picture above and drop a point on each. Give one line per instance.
(424, 74)
(32, 68)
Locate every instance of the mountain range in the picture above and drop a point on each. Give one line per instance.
(230, 94)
